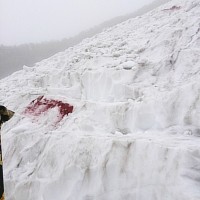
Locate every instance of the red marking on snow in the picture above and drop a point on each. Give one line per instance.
(173, 8)
(42, 105)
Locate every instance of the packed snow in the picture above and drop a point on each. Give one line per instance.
(132, 130)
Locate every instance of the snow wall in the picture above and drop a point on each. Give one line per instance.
(131, 128)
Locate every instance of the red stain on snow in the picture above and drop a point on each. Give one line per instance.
(42, 105)
(173, 8)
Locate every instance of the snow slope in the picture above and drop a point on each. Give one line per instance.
(134, 129)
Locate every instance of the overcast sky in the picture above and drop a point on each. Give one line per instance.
(25, 21)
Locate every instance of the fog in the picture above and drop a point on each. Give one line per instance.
(34, 21)
(12, 58)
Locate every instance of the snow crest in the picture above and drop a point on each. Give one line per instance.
(133, 129)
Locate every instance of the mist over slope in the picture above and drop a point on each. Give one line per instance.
(114, 117)
(13, 58)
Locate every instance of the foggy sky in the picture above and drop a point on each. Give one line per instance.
(25, 21)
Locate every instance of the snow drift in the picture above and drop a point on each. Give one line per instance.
(132, 129)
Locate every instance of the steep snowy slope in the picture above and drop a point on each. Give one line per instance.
(116, 117)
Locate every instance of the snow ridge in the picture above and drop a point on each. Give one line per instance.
(134, 130)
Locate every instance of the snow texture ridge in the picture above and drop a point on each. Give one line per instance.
(131, 129)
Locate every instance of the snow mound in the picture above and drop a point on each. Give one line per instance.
(115, 117)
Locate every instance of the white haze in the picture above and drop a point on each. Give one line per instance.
(134, 133)
(33, 21)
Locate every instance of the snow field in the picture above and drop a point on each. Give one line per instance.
(71, 166)
(134, 131)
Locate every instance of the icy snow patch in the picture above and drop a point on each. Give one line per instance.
(134, 132)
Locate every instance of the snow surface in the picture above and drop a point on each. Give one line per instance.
(134, 130)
